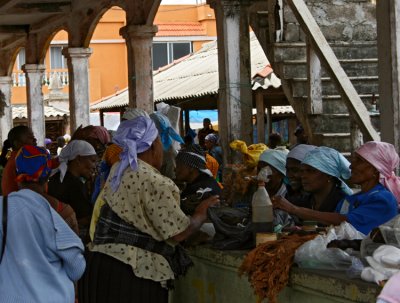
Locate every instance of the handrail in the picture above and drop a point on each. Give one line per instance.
(325, 53)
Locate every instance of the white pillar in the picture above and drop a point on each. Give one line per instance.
(388, 20)
(79, 97)
(6, 121)
(235, 94)
(36, 120)
(139, 41)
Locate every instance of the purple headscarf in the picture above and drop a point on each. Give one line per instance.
(134, 137)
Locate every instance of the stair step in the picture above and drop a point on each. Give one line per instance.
(352, 67)
(338, 141)
(337, 123)
(333, 104)
(363, 85)
(343, 50)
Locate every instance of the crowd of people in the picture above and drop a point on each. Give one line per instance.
(112, 212)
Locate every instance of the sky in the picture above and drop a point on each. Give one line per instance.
(178, 2)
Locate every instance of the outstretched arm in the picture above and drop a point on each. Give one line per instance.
(306, 213)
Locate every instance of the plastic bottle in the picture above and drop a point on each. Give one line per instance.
(262, 211)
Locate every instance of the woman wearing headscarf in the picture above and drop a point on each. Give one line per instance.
(167, 135)
(17, 137)
(295, 192)
(215, 151)
(276, 161)
(372, 166)
(191, 168)
(133, 257)
(323, 172)
(77, 164)
(42, 256)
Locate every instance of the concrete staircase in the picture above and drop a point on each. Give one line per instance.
(332, 126)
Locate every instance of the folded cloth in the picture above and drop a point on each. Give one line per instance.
(111, 228)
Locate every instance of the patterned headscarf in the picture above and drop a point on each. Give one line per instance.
(100, 133)
(330, 162)
(33, 164)
(167, 133)
(194, 156)
(276, 158)
(134, 137)
(72, 150)
(384, 158)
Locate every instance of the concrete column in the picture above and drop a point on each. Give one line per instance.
(139, 41)
(6, 121)
(235, 94)
(78, 72)
(388, 22)
(34, 74)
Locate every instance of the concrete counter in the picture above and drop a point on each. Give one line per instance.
(215, 279)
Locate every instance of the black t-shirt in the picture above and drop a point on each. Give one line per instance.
(306, 200)
(71, 191)
(190, 199)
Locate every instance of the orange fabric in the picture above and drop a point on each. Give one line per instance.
(212, 165)
(8, 181)
(111, 155)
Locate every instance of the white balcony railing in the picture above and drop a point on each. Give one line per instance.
(19, 78)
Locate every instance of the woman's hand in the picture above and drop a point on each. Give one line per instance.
(281, 203)
(201, 209)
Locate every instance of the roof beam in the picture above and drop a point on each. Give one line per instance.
(40, 7)
(14, 29)
(7, 4)
(12, 42)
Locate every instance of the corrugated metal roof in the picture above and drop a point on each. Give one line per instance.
(21, 112)
(197, 75)
(179, 29)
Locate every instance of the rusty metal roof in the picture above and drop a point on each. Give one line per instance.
(196, 75)
(20, 111)
(178, 29)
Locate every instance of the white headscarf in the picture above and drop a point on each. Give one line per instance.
(72, 150)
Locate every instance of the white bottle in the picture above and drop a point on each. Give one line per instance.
(262, 211)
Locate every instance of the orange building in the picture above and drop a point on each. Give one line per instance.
(182, 29)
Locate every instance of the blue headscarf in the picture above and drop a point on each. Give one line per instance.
(276, 158)
(134, 137)
(167, 133)
(330, 162)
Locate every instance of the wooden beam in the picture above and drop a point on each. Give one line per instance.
(314, 82)
(187, 121)
(6, 4)
(40, 7)
(14, 29)
(269, 120)
(16, 41)
(325, 53)
(260, 117)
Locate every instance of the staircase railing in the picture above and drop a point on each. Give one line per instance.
(319, 47)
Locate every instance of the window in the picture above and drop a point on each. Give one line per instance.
(57, 60)
(21, 59)
(166, 52)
